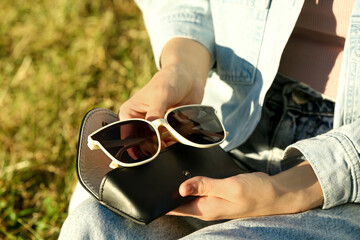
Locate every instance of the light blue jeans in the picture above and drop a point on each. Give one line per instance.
(91, 220)
(291, 112)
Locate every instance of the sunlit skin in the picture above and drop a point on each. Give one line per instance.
(184, 68)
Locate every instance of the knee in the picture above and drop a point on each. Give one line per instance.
(87, 221)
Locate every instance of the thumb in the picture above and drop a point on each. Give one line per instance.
(201, 186)
(158, 106)
(156, 111)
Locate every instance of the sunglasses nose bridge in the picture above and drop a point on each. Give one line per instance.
(159, 122)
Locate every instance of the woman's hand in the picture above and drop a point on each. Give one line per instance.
(181, 80)
(252, 194)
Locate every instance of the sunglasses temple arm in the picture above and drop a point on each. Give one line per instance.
(210, 134)
(121, 143)
(164, 135)
(122, 150)
(114, 164)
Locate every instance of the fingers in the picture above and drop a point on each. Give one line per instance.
(132, 109)
(146, 109)
(161, 96)
(151, 102)
(156, 110)
(226, 198)
(204, 186)
(170, 87)
(206, 208)
(181, 80)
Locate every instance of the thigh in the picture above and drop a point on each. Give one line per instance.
(90, 220)
(342, 222)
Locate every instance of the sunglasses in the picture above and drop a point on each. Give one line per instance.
(134, 142)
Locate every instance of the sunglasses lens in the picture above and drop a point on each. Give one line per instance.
(129, 142)
(198, 124)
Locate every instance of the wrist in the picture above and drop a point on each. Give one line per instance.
(186, 55)
(298, 189)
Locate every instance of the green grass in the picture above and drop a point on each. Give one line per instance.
(58, 59)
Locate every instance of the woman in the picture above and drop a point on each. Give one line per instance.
(273, 70)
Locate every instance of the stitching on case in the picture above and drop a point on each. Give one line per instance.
(102, 188)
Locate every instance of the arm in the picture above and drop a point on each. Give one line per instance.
(185, 66)
(335, 158)
(329, 177)
(165, 20)
(181, 33)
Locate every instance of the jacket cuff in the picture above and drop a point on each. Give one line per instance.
(335, 159)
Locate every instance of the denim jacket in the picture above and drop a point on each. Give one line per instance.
(246, 39)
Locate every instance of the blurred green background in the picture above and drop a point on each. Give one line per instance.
(58, 60)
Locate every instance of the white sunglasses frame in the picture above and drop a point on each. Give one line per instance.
(93, 144)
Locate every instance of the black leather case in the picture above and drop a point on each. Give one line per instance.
(149, 191)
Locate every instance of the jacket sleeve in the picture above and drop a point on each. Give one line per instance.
(335, 158)
(173, 18)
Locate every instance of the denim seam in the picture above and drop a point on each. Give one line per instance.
(270, 167)
(351, 153)
(264, 5)
(326, 189)
(184, 16)
(328, 114)
(324, 186)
